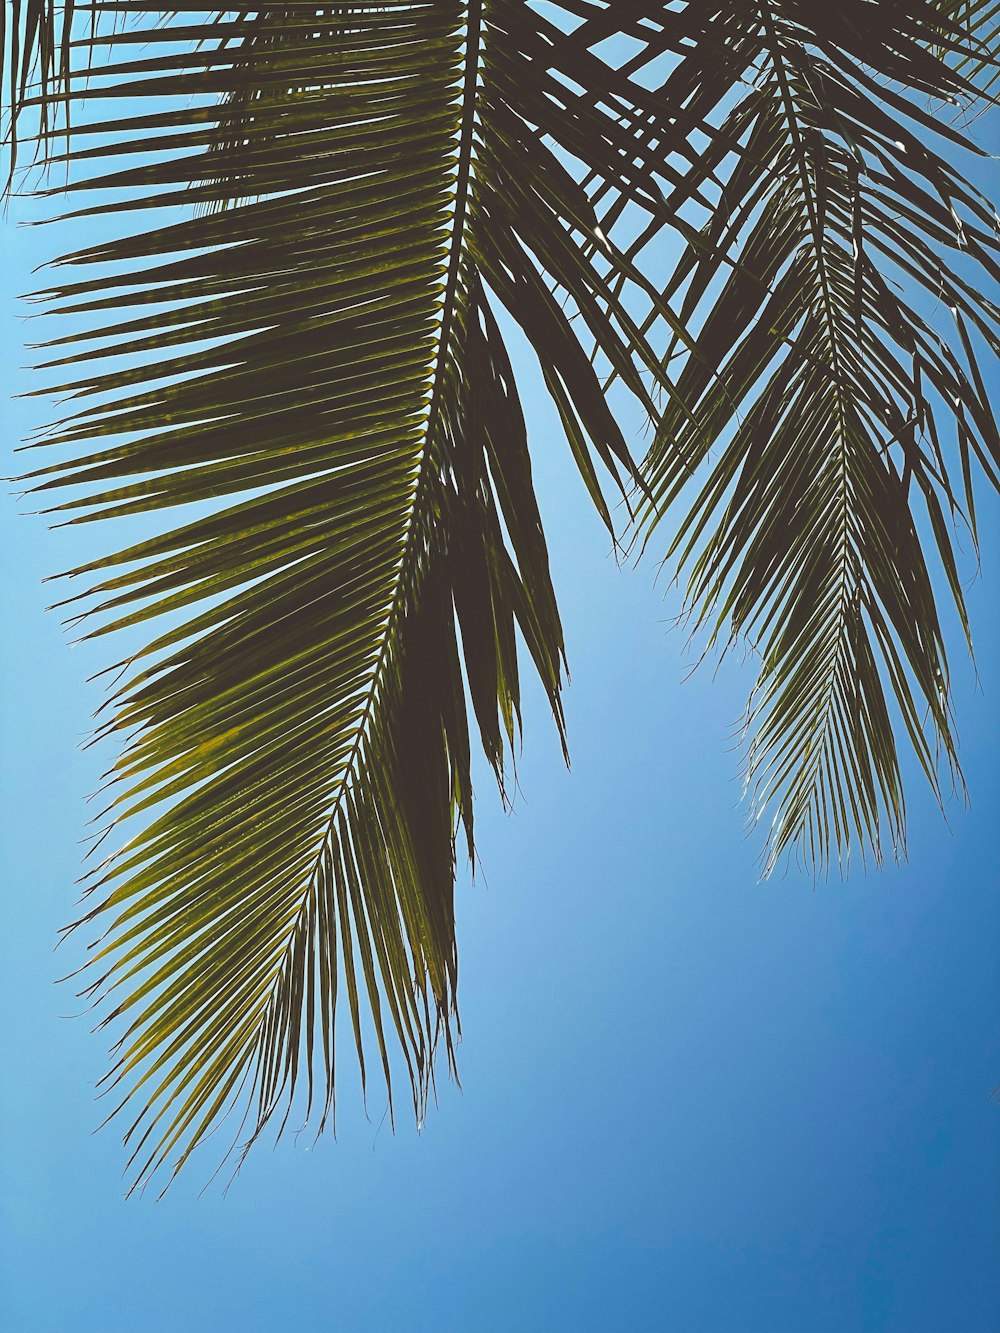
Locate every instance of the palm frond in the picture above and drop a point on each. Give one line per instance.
(314, 360)
(977, 55)
(34, 68)
(838, 292)
(313, 364)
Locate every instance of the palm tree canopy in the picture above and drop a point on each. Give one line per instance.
(312, 360)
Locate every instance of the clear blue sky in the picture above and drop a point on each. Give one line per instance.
(691, 1101)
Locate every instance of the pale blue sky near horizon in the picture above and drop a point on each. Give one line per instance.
(691, 1101)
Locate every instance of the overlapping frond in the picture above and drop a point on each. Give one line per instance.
(34, 68)
(837, 289)
(308, 368)
(977, 54)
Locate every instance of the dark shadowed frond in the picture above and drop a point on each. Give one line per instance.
(976, 57)
(304, 384)
(34, 67)
(836, 407)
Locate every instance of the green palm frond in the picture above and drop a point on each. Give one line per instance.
(309, 368)
(323, 368)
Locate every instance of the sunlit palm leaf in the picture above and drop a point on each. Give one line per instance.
(329, 374)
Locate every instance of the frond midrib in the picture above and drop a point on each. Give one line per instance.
(463, 185)
(819, 731)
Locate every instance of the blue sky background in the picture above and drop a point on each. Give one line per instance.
(691, 1101)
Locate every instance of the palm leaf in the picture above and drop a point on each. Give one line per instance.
(34, 68)
(320, 365)
(828, 380)
(313, 364)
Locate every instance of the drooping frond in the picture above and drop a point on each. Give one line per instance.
(309, 368)
(316, 369)
(838, 292)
